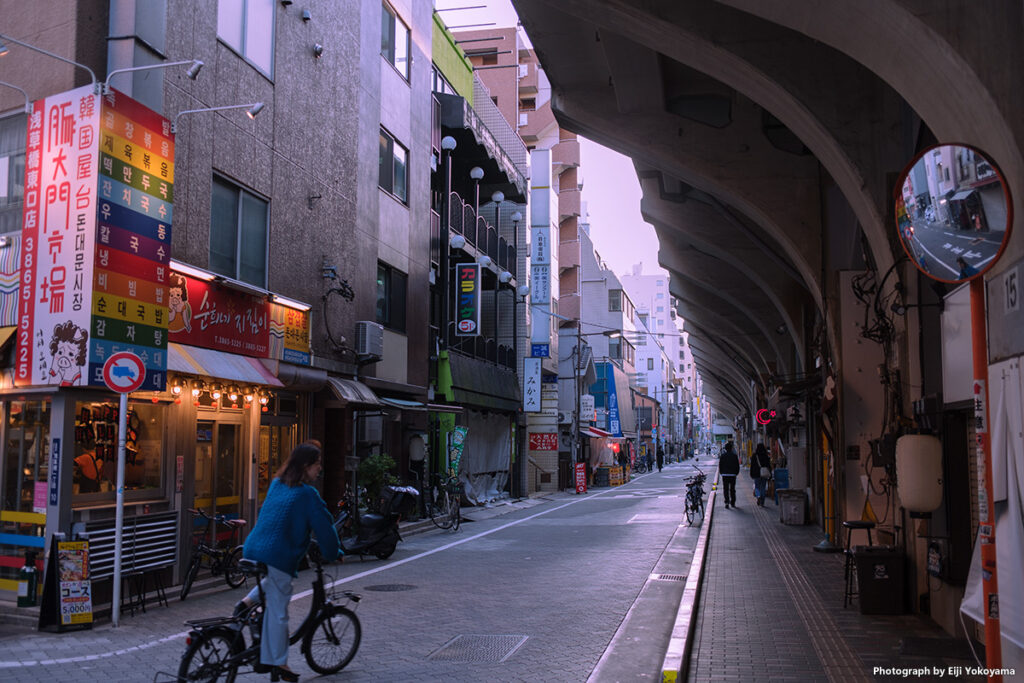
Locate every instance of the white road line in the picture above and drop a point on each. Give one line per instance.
(306, 593)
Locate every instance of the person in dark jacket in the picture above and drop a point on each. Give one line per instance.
(729, 468)
(280, 539)
(660, 458)
(760, 472)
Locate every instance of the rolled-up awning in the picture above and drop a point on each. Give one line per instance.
(193, 360)
(352, 391)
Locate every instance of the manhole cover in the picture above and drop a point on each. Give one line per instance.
(478, 648)
(390, 587)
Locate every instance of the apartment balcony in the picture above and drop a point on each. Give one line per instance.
(537, 123)
(569, 305)
(528, 81)
(568, 255)
(568, 204)
(566, 154)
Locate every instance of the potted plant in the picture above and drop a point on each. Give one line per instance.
(374, 474)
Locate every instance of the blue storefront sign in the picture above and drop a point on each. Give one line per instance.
(540, 350)
(614, 423)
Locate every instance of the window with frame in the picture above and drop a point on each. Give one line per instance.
(238, 233)
(247, 27)
(614, 299)
(12, 171)
(96, 445)
(393, 166)
(528, 104)
(394, 40)
(650, 363)
(391, 292)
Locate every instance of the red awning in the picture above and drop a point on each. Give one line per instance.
(595, 433)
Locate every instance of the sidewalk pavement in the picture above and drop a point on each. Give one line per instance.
(771, 608)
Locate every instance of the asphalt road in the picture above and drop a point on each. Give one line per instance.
(536, 594)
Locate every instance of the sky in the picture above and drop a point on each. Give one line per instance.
(611, 189)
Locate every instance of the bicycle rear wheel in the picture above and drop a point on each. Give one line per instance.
(689, 511)
(454, 511)
(206, 658)
(232, 573)
(332, 642)
(190, 575)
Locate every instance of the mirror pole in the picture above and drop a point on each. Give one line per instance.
(986, 511)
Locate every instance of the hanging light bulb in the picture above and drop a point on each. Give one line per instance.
(264, 400)
(215, 394)
(233, 394)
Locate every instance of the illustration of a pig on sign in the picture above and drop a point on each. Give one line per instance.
(68, 346)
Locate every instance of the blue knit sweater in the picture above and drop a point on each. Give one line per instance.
(281, 535)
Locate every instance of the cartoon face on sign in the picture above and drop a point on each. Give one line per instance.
(68, 348)
(179, 316)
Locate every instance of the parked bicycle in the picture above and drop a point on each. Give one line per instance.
(695, 496)
(221, 558)
(640, 465)
(217, 648)
(443, 500)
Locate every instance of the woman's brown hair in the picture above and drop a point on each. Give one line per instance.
(304, 455)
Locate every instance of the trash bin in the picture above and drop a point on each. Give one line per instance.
(879, 579)
(792, 506)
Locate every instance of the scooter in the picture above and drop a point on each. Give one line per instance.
(374, 533)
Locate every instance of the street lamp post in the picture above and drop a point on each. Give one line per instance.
(447, 146)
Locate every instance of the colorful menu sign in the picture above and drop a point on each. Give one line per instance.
(467, 300)
(210, 316)
(75, 585)
(96, 239)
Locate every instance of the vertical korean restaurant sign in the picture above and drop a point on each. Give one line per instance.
(96, 237)
(58, 239)
(213, 317)
(133, 239)
(467, 300)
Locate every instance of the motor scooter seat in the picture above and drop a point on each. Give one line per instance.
(372, 520)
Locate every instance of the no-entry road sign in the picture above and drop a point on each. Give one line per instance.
(124, 372)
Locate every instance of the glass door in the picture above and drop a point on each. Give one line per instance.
(276, 442)
(219, 480)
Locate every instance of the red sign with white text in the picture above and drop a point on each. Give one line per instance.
(202, 314)
(542, 441)
(581, 477)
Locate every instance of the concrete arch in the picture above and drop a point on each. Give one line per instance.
(901, 41)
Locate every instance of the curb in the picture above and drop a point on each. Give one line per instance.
(677, 656)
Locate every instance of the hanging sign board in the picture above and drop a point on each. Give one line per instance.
(467, 300)
(531, 385)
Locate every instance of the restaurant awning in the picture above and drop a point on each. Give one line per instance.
(7, 334)
(595, 433)
(418, 407)
(352, 391)
(961, 195)
(193, 360)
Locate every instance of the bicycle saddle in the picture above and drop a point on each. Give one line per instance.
(252, 567)
(234, 522)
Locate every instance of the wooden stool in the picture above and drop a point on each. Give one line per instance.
(849, 593)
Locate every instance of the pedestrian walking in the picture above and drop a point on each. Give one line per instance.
(280, 539)
(729, 468)
(661, 458)
(760, 472)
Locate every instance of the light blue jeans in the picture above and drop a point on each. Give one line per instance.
(277, 590)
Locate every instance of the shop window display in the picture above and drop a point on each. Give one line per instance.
(95, 462)
(25, 458)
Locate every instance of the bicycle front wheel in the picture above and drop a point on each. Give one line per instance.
(232, 573)
(332, 642)
(440, 510)
(207, 657)
(190, 576)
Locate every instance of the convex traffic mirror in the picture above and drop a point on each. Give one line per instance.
(953, 212)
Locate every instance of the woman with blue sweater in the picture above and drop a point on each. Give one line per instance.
(280, 539)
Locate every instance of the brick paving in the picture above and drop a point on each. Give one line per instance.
(770, 609)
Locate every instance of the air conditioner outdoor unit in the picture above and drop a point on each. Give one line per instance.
(369, 428)
(564, 417)
(369, 340)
